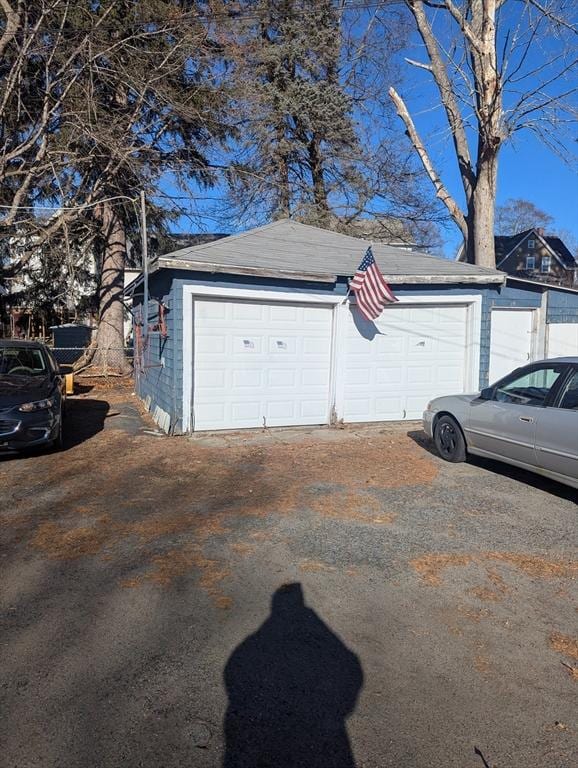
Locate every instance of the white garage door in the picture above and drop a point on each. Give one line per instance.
(511, 340)
(563, 340)
(258, 363)
(411, 354)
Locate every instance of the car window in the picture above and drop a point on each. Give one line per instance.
(15, 361)
(530, 388)
(569, 399)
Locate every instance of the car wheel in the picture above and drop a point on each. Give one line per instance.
(449, 439)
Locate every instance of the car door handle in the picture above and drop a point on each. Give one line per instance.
(527, 419)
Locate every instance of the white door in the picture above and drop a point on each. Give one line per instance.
(511, 341)
(408, 356)
(563, 340)
(260, 364)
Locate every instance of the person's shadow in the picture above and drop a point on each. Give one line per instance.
(291, 685)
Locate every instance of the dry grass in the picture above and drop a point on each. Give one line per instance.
(314, 566)
(59, 543)
(116, 488)
(488, 595)
(564, 644)
(431, 566)
(177, 563)
(482, 664)
(360, 507)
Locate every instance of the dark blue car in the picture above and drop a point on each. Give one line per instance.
(32, 396)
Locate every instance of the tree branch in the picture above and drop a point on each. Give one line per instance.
(441, 191)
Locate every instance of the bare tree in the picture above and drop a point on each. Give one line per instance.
(499, 66)
(517, 215)
(99, 101)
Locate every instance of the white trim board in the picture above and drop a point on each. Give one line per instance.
(304, 296)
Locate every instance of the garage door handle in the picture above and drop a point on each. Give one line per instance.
(527, 419)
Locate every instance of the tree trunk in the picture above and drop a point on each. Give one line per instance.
(481, 234)
(109, 354)
(283, 208)
(319, 190)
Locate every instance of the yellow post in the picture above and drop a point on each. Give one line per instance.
(69, 380)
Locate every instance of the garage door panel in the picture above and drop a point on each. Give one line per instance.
(247, 311)
(421, 375)
(358, 377)
(420, 346)
(214, 310)
(420, 353)
(316, 346)
(448, 375)
(315, 377)
(249, 344)
(246, 378)
(272, 362)
(389, 407)
(283, 314)
(449, 347)
(244, 411)
(285, 346)
(315, 315)
(282, 409)
(389, 376)
(281, 378)
(211, 345)
(359, 408)
(210, 378)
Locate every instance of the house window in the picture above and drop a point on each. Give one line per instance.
(545, 265)
(531, 243)
(530, 262)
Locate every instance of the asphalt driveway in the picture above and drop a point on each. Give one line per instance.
(305, 598)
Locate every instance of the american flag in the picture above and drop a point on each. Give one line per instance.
(371, 290)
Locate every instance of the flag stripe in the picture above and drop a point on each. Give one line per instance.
(370, 288)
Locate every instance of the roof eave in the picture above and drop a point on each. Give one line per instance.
(540, 284)
(478, 279)
(203, 266)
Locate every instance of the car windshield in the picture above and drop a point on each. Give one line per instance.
(20, 361)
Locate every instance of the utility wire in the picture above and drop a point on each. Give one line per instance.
(80, 207)
(229, 16)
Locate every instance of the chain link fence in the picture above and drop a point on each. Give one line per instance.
(111, 359)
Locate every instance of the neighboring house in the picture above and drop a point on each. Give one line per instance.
(258, 330)
(46, 291)
(535, 256)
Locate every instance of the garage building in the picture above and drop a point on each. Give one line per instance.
(258, 330)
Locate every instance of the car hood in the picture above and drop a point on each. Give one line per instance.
(15, 390)
(444, 402)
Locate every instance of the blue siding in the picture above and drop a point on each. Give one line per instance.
(562, 307)
(155, 377)
(161, 380)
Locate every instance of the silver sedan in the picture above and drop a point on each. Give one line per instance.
(528, 419)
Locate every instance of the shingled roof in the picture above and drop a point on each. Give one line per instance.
(292, 250)
(506, 243)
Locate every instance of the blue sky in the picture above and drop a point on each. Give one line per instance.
(527, 168)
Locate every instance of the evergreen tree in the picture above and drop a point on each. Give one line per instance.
(100, 100)
(308, 89)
